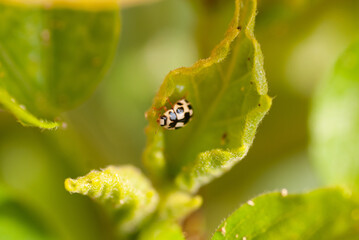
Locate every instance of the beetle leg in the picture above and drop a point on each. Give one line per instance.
(168, 100)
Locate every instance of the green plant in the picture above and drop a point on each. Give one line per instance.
(228, 92)
(182, 161)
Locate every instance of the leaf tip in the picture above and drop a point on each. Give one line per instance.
(24, 116)
(70, 185)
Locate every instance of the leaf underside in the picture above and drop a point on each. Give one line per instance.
(321, 214)
(228, 92)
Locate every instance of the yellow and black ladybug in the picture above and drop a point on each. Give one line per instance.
(178, 116)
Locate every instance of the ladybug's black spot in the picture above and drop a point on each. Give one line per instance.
(186, 118)
(189, 106)
(179, 103)
(173, 124)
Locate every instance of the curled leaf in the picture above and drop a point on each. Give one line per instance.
(124, 189)
(228, 92)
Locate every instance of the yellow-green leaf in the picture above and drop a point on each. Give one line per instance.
(177, 205)
(228, 92)
(322, 214)
(162, 230)
(123, 189)
(54, 53)
(335, 122)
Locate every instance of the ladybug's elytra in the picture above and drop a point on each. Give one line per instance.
(178, 116)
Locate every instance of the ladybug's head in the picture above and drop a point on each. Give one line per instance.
(162, 120)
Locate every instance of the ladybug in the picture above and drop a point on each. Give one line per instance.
(176, 117)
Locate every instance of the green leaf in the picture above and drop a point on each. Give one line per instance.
(228, 92)
(163, 230)
(335, 122)
(54, 53)
(18, 222)
(321, 214)
(124, 190)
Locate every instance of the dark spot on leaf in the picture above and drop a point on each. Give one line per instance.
(251, 82)
(239, 28)
(224, 138)
(259, 104)
(249, 59)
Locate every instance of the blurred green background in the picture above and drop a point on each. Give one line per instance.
(300, 40)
